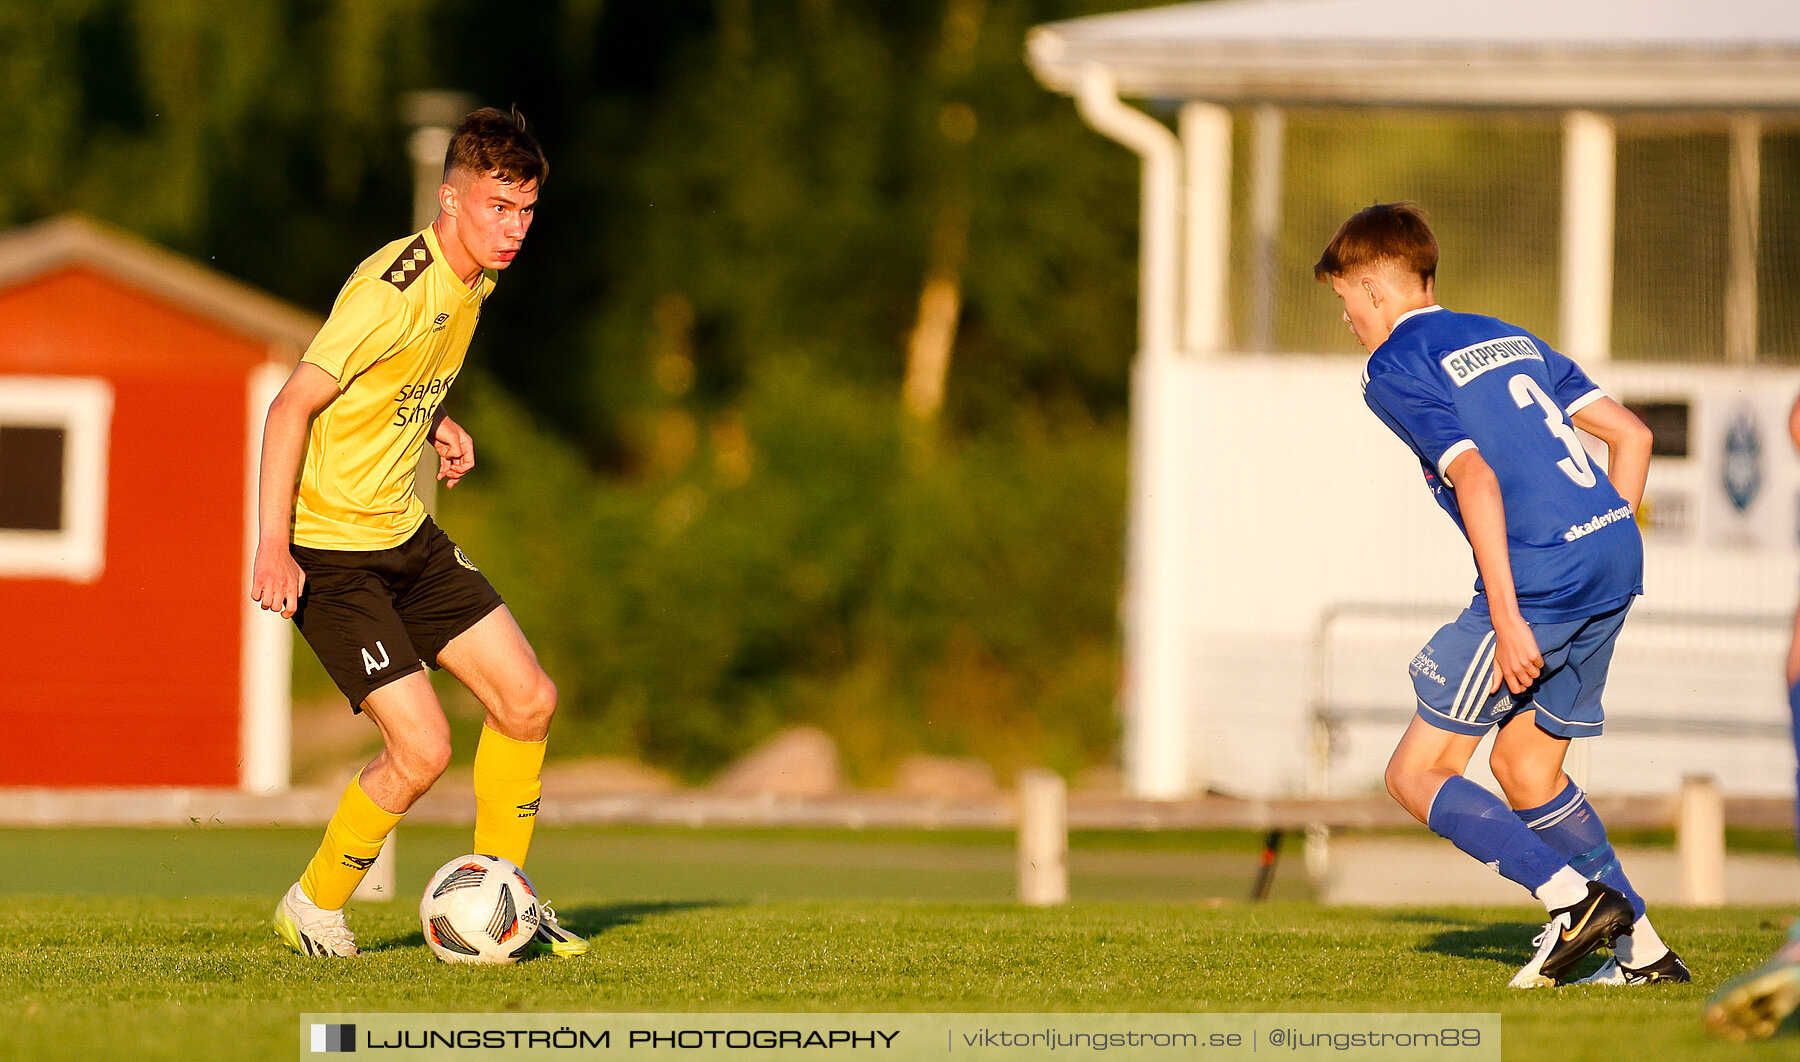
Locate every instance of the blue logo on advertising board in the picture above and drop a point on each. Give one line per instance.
(1742, 473)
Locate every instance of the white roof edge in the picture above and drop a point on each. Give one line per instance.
(1357, 52)
(1590, 25)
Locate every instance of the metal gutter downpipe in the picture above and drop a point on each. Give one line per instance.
(1157, 649)
(1159, 254)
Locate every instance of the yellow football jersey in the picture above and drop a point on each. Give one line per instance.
(395, 342)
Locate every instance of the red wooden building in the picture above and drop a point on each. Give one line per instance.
(133, 384)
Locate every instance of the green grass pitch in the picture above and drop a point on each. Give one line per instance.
(153, 944)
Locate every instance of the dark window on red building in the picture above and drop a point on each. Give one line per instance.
(31, 478)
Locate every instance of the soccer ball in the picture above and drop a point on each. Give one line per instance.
(479, 908)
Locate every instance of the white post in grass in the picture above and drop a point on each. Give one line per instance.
(379, 883)
(1700, 841)
(1043, 838)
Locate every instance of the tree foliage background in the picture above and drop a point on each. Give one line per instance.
(698, 487)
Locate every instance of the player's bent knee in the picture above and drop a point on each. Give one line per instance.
(1401, 779)
(539, 702)
(529, 710)
(1394, 787)
(1413, 776)
(1526, 782)
(420, 766)
(1510, 770)
(1506, 774)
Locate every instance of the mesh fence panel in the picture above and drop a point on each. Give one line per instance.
(1492, 185)
(1778, 263)
(1670, 251)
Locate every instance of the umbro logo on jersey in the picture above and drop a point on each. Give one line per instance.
(409, 265)
(529, 811)
(438, 325)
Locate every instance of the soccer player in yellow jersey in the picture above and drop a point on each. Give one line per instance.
(346, 550)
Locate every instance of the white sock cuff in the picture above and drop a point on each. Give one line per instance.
(1565, 888)
(1641, 947)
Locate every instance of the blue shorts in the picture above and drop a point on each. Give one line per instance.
(1451, 676)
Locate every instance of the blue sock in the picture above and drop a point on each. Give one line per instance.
(1480, 823)
(1571, 827)
(1794, 707)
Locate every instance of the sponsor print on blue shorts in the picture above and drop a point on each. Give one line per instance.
(1452, 673)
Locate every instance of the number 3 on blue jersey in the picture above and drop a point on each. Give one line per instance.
(1576, 466)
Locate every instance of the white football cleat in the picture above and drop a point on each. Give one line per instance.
(310, 929)
(552, 939)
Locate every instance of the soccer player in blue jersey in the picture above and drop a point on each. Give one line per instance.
(1491, 411)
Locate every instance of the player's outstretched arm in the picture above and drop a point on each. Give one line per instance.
(455, 448)
(275, 580)
(1517, 661)
(1627, 442)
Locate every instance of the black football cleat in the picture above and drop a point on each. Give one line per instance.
(1573, 933)
(1667, 970)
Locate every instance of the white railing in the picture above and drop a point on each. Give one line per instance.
(1692, 676)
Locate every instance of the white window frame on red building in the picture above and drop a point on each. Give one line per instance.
(81, 407)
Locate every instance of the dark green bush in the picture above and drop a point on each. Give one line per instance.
(808, 558)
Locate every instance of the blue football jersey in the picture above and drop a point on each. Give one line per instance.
(1446, 382)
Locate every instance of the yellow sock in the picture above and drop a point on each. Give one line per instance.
(352, 841)
(507, 785)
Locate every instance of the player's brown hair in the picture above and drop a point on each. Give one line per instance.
(1384, 234)
(494, 141)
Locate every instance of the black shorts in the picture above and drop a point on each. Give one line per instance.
(373, 616)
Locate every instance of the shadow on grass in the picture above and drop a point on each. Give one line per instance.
(1504, 943)
(588, 920)
(1467, 936)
